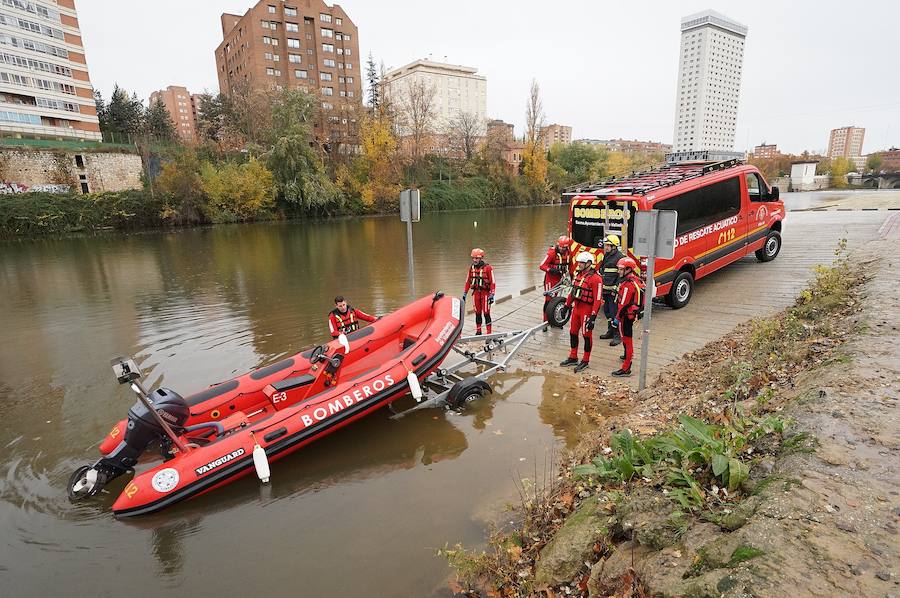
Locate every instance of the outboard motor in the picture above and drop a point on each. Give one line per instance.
(143, 426)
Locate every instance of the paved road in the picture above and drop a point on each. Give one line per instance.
(735, 294)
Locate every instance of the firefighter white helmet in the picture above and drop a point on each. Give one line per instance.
(585, 256)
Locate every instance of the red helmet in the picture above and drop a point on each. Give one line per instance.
(626, 262)
(477, 252)
(564, 241)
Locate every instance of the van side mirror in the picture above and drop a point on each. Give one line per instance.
(774, 194)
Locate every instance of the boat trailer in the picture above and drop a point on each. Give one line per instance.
(446, 386)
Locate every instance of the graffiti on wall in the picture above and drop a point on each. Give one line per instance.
(10, 188)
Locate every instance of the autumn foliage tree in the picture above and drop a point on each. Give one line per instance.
(534, 159)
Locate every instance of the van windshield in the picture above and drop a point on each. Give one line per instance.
(589, 222)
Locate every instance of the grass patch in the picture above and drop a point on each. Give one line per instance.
(742, 554)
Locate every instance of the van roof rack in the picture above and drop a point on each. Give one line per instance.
(639, 183)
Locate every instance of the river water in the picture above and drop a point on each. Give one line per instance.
(360, 512)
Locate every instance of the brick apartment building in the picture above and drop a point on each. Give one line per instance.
(766, 151)
(555, 134)
(296, 44)
(182, 107)
(45, 89)
(890, 160)
(630, 145)
(846, 142)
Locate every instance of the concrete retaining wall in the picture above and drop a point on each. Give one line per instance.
(22, 171)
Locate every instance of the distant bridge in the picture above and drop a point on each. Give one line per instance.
(885, 180)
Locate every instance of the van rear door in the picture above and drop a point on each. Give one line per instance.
(592, 218)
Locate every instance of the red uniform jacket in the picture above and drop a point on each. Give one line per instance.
(346, 322)
(560, 260)
(586, 290)
(480, 279)
(628, 299)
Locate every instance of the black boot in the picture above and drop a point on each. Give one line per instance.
(569, 361)
(621, 373)
(581, 366)
(617, 339)
(610, 332)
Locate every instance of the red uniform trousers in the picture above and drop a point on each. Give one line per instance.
(581, 313)
(626, 331)
(482, 307)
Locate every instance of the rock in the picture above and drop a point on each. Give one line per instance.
(883, 576)
(740, 513)
(845, 527)
(561, 559)
(645, 515)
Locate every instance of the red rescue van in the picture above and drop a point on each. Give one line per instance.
(725, 211)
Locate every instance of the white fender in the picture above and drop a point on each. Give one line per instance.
(261, 463)
(414, 386)
(344, 342)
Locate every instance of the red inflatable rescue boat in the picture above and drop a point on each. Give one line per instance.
(230, 429)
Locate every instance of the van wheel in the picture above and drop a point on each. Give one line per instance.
(557, 312)
(681, 292)
(770, 250)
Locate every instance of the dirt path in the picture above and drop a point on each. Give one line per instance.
(826, 523)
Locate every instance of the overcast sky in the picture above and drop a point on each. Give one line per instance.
(608, 69)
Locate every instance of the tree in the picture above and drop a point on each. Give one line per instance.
(158, 122)
(124, 115)
(374, 91)
(213, 113)
(416, 115)
(874, 162)
(299, 174)
(102, 110)
(839, 168)
(464, 131)
(578, 160)
(534, 160)
(238, 191)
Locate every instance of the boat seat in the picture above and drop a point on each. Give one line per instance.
(291, 383)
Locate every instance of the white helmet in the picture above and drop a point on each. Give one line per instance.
(585, 256)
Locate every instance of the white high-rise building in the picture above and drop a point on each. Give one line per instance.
(709, 82)
(457, 88)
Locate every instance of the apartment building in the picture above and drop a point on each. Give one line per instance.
(709, 82)
(45, 89)
(296, 44)
(182, 107)
(630, 145)
(766, 151)
(457, 89)
(555, 134)
(846, 142)
(500, 130)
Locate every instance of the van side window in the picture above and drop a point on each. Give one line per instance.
(705, 205)
(756, 188)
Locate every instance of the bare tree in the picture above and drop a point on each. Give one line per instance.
(464, 133)
(416, 115)
(534, 115)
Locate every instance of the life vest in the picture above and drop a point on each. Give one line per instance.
(563, 261)
(638, 298)
(347, 322)
(581, 286)
(480, 281)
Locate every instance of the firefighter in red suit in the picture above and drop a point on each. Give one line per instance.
(344, 318)
(481, 281)
(556, 264)
(584, 300)
(628, 304)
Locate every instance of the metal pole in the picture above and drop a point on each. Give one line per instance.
(648, 301)
(409, 248)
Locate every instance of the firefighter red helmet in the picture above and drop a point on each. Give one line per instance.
(477, 252)
(626, 262)
(564, 241)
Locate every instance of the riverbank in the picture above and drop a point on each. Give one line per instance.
(779, 475)
(33, 215)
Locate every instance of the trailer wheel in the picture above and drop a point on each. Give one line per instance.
(467, 390)
(681, 292)
(557, 313)
(769, 251)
